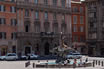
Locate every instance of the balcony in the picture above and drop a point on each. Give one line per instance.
(27, 34)
(41, 7)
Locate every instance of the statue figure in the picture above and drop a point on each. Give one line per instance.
(62, 51)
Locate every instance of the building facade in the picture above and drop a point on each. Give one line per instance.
(79, 26)
(94, 27)
(8, 27)
(38, 27)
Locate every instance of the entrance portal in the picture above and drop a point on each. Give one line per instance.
(27, 50)
(46, 48)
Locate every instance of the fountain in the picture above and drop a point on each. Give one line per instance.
(62, 51)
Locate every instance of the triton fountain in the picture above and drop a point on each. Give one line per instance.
(62, 51)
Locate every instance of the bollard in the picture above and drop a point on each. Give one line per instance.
(99, 63)
(46, 65)
(93, 63)
(33, 65)
(27, 64)
(96, 62)
(102, 63)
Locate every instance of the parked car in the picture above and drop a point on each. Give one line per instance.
(11, 56)
(74, 55)
(2, 57)
(23, 57)
(33, 56)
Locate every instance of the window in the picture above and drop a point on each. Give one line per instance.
(54, 2)
(75, 19)
(81, 29)
(82, 39)
(46, 15)
(81, 19)
(55, 28)
(13, 35)
(81, 10)
(37, 28)
(27, 28)
(63, 3)
(27, 12)
(2, 21)
(63, 17)
(36, 15)
(36, 1)
(13, 22)
(2, 8)
(75, 38)
(75, 9)
(12, 0)
(2, 35)
(54, 16)
(46, 2)
(74, 28)
(13, 9)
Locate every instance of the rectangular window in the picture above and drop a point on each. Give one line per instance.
(36, 15)
(13, 22)
(54, 16)
(81, 10)
(12, 0)
(82, 39)
(81, 29)
(46, 2)
(63, 3)
(2, 35)
(75, 9)
(27, 12)
(63, 17)
(13, 35)
(81, 19)
(13, 9)
(74, 28)
(75, 38)
(2, 8)
(2, 21)
(54, 2)
(75, 19)
(36, 1)
(46, 15)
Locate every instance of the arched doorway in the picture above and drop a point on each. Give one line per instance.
(46, 46)
(27, 50)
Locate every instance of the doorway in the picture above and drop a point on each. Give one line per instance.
(46, 48)
(27, 50)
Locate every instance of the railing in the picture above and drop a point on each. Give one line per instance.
(42, 6)
(41, 34)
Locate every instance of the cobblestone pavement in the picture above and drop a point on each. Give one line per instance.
(21, 64)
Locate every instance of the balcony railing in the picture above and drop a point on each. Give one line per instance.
(21, 4)
(41, 34)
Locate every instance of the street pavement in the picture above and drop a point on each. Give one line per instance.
(21, 64)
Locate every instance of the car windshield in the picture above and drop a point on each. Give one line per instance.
(11, 55)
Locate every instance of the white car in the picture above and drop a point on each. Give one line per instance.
(11, 56)
(33, 56)
(2, 57)
(74, 56)
(23, 57)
